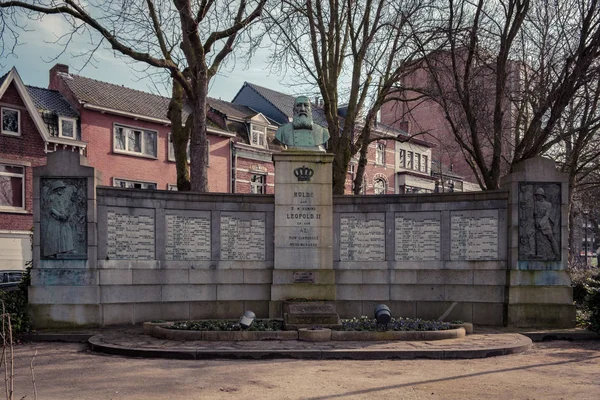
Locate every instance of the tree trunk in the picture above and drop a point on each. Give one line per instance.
(180, 136)
(198, 145)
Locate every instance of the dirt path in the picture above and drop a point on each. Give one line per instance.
(552, 370)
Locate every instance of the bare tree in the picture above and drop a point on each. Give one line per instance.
(352, 51)
(506, 73)
(174, 35)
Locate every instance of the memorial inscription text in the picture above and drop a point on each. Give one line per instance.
(474, 237)
(242, 238)
(188, 238)
(417, 237)
(130, 236)
(362, 239)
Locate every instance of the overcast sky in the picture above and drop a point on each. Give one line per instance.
(35, 56)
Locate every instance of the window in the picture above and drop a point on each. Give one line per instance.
(258, 135)
(135, 141)
(171, 149)
(124, 183)
(380, 153)
(417, 165)
(424, 163)
(67, 128)
(12, 187)
(11, 121)
(172, 187)
(402, 158)
(409, 160)
(379, 186)
(258, 184)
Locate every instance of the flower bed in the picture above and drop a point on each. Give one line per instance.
(355, 329)
(367, 324)
(260, 325)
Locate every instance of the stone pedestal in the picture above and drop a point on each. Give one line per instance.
(64, 289)
(303, 261)
(539, 287)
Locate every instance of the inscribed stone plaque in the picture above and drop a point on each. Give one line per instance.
(63, 218)
(417, 236)
(243, 236)
(539, 221)
(188, 237)
(304, 277)
(362, 237)
(474, 235)
(130, 235)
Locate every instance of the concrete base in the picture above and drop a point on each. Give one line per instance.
(45, 316)
(541, 315)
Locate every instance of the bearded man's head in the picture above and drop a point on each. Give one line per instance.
(302, 113)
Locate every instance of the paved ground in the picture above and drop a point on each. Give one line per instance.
(132, 341)
(550, 370)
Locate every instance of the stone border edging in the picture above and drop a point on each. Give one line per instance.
(159, 331)
(366, 336)
(96, 344)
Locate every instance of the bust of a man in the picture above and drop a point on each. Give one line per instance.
(302, 133)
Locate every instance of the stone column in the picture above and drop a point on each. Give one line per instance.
(64, 287)
(539, 287)
(303, 263)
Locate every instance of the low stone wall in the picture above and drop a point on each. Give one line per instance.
(106, 256)
(421, 253)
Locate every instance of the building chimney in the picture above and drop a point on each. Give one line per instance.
(54, 82)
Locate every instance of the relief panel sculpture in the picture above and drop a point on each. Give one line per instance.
(63, 219)
(539, 221)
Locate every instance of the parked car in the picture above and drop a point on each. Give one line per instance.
(9, 280)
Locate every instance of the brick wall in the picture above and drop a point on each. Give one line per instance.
(97, 130)
(27, 149)
(246, 168)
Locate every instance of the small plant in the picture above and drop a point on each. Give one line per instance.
(228, 325)
(15, 303)
(396, 324)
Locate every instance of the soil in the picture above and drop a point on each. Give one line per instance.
(550, 370)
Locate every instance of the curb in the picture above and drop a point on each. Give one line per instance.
(571, 336)
(97, 344)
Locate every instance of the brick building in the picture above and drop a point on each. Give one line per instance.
(34, 121)
(424, 116)
(388, 169)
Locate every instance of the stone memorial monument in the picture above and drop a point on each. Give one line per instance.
(303, 264)
(539, 291)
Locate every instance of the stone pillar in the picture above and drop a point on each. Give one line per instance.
(64, 287)
(539, 287)
(303, 263)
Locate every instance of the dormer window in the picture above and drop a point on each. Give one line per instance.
(11, 121)
(67, 128)
(258, 135)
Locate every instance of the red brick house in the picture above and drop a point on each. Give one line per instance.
(35, 121)
(128, 134)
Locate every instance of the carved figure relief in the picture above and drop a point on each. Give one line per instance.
(539, 221)
(63, 219)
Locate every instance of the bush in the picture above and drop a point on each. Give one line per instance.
(579, 278)
(592, 302)
(15, 304)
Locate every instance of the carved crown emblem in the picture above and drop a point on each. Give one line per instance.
(303, 173)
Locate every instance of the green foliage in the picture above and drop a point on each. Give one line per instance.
(228, 325)
(579, 279)
(15, 303)
(592, 302)
(396, 324)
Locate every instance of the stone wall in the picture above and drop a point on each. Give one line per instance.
(421, 253)
(167, 255)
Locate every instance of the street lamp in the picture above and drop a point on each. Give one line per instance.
(585, 229)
